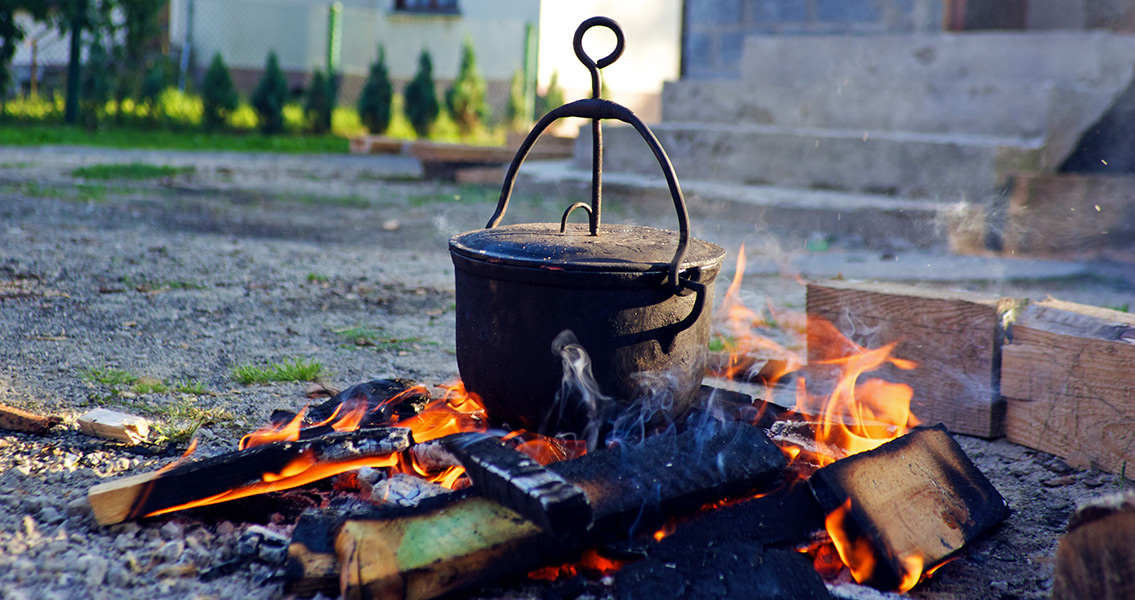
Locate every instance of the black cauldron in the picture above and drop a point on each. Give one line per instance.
(638, 299)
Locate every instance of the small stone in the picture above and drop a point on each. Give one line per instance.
(170, 551)
(78, 507)
(117, 576)
(999, 586)
(49, 515)
(96, 570)
(171, 531)
(30, 528)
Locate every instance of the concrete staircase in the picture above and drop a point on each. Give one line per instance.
(944, 117)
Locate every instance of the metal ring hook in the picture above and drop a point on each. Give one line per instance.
(594, 66)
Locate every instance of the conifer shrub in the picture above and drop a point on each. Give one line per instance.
(319, 102)
(270, 96)
(376, 101)
(420, 97)
(218, 94)
(553, 96)
(518, 112)
(466, 98)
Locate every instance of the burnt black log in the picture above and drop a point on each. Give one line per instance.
(233, 473)
(515, 480)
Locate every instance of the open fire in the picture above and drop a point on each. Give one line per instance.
(859, 414)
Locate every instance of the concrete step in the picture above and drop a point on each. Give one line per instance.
(1069, 58)
(877, 221)
(942, 167)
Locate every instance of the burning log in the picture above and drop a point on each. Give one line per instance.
(1067, 372)
(631, 489)
(901, 509)
(272, 466)
(14, 419)
(954, 337)
(1096, 558)
(514, 480)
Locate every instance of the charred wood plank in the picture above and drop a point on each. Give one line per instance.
(1067, 371)
(955, 337)
(15, 419)
(631, 489)
(515, 480)
(1096, 558)
(909, 503)
(273, 466)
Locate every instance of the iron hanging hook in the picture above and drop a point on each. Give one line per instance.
(595, 215)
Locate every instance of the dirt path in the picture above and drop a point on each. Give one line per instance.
(339, 260)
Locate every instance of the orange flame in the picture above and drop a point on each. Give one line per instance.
(859, 414)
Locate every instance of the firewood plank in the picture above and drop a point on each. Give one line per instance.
(953, 336)
(114, 425)
(631, 488)
(916, 497)
(15, 419)
(233, 473)
(1068, 371)
(1096, 558)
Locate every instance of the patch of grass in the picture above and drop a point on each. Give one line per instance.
(180, 420)
(317, 278)
(140, 385)
(80, 192)
(1122, 307)
(358, 335)
(466, 194)
(398, 344)
(133, 171)
(14, 165)
(296, 370)
(352, 201)
(40, 135)
(111, 377)
(146, 285)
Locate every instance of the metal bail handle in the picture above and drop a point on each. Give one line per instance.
(596, 109)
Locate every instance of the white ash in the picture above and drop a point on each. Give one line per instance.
(405, 490)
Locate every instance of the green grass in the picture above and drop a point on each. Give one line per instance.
(365, 336)
(41, 135)
(180, 420)
(466, 194)
(140, 385)
(146, 285)
(317, 278)
(14, 165)
(108, 376)
(135, 171)
(296, 370)
(352, 201)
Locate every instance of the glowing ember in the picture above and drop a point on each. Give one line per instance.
(590, 564)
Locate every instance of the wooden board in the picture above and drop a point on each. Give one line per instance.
(1096, 558)
(953, 336)
(114, 425)
(15, 419)
(1060, 212)
(1068, 373)
(377, 144)
(916, 498)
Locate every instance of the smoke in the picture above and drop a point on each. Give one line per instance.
(579, 405)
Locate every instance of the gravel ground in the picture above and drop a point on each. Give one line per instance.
(260, 259)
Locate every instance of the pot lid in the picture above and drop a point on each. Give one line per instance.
(622, 248)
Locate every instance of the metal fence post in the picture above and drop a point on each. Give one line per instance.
(74, 67)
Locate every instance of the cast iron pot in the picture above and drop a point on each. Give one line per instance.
(638, 299)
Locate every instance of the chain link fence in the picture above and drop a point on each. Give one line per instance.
(243, 32)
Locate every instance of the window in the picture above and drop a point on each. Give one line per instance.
(427, 6)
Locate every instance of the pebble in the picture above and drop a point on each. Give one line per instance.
(172, 530)
(170, 551)
(49, 515)
(95, 569)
